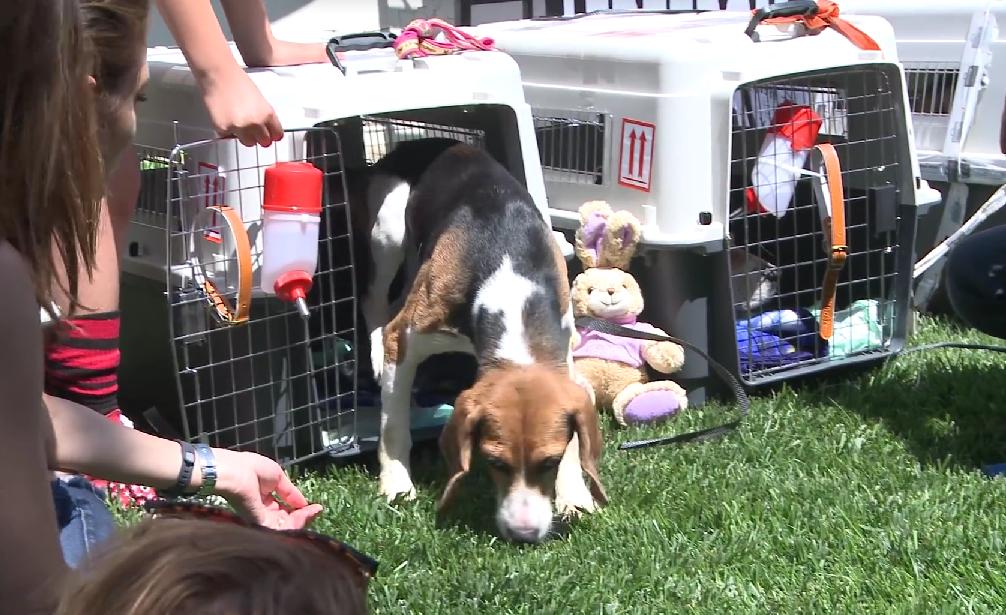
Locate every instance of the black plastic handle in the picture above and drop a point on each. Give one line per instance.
(793, 8)
(359, 41)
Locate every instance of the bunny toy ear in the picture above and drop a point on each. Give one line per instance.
(590, 236)
(621, 237)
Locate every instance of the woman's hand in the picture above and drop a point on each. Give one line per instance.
(252, 483)
(237, 108)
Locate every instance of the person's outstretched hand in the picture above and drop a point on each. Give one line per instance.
(237, 108)
(252, 483)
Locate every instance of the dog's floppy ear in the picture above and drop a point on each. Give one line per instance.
(588, 431)
(456, 442)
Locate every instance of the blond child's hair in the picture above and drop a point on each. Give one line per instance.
(197, 567)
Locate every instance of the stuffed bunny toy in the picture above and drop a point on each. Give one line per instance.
(615, 366)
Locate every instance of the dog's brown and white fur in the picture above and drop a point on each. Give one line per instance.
(483, 275)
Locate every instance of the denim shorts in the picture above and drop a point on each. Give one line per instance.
(83, 519)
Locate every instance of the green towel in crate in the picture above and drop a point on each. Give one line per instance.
(860, 327)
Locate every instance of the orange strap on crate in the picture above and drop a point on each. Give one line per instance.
(838, 251)
(238, 312)
(827, 17)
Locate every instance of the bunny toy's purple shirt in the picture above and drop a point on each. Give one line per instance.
(597, 345)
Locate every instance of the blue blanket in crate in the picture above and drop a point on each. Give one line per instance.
(778, 338)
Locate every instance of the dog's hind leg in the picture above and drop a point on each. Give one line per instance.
(387, 197)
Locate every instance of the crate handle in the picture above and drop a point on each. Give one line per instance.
(793, 8)
(361, 41)
(358, 41)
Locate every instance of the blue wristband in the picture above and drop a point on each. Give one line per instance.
(184, 480)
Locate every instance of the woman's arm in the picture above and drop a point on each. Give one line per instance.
(86, 442)
(235, 105)
(252, 31)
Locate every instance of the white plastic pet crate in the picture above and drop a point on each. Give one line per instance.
(954, 54)
(932, 40)
(663, 114)
(280, 385)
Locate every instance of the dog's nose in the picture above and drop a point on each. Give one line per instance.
(611, 291)
(524, 516)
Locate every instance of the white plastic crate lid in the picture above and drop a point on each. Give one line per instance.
(375, 82)
(936, 22)
(637, 43)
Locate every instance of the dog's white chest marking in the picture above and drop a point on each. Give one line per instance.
(387, 198)
(506, 293)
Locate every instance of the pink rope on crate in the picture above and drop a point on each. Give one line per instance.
(417, 40)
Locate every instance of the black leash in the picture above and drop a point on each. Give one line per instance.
(743, 403)
(949, 345)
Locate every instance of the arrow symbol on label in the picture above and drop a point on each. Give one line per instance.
(642, 148)
(632, 150)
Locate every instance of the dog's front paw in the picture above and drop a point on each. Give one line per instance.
(572, 497)
(396, 484)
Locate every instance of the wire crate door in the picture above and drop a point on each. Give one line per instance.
(780, 235)
(276, 383)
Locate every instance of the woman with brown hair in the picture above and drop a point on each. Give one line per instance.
(82, 365)
(51, 183)
(82, 354)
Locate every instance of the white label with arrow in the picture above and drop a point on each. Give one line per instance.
(636, 158)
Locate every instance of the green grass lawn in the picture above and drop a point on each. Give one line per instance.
(853, 496)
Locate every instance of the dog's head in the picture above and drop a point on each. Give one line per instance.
(521, 419)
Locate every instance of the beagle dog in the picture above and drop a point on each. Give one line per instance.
(483, 275)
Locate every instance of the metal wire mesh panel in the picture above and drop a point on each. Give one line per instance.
(571, 145)
(779, 252)
(279, 384)
(155, 172)
(931, 87)
(382, 134)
